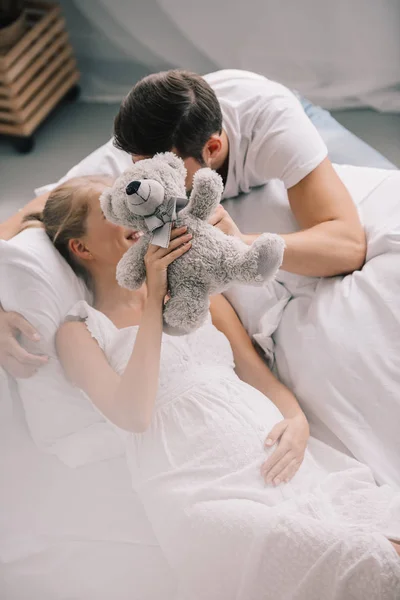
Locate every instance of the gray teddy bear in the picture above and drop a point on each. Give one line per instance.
(149, 197)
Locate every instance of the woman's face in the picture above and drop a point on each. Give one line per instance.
(104, 242)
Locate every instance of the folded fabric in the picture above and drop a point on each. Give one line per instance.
(338, 346)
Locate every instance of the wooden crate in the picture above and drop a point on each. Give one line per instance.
(37, 72)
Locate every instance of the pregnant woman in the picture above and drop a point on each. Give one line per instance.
(215, 444)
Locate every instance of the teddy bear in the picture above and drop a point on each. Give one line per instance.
(150, 197)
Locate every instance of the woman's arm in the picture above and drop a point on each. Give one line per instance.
(292, 432)
(127, 400)
(249, 365)
(14, 224)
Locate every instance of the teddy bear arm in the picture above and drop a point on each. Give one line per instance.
(206, 194)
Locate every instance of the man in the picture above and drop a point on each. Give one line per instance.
(250, 130)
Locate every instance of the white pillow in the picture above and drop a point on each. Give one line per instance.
(42, 287)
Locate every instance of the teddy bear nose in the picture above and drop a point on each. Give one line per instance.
(132, 187)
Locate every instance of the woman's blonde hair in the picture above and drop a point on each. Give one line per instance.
(65, 214)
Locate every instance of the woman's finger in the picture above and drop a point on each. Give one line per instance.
(290, 471)
(275, 457)
(175, 243)
(178, 231)
(276, 432)
(177, 253)
(274, 475)
(153, 248)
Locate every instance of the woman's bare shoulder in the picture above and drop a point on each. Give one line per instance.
(72, 334)
(80, 355)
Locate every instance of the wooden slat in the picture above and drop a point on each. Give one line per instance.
(40, 80)
(32, 18)
(4, 90)
(30, 37)
(37, 72)
(16, 86)
(5, 102)
(26, 59)
(30, 126)
(46, 91)
(11, 129)
(8, 116)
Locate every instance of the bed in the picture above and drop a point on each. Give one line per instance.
(81, 534)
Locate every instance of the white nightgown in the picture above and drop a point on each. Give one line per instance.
(227, 534)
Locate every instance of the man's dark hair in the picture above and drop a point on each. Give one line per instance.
(173, 109)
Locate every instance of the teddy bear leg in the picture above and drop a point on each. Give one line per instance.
(186, 310)
(261, 261)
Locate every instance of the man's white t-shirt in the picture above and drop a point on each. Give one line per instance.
(270, 136)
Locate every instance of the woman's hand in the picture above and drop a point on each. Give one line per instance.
(223, 221)
(293, 436)
(157, 260)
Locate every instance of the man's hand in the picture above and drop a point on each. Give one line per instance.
(13, 358)
(293, 436)
(14, 224)
(221, 219)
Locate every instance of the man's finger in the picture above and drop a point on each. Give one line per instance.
(217, 215)
(17, 370)
(25, 358)
(214, 219)
(25, 327)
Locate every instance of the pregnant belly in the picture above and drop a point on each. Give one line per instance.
(216, 427)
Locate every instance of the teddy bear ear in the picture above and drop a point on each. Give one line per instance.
(174, 161)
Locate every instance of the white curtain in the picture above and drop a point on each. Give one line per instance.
(338, 53)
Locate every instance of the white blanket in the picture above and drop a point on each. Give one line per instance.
(338, 343)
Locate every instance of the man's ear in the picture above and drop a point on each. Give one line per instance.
(212, 147)
(173, 161)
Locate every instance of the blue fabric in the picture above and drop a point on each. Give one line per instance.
(343, 146)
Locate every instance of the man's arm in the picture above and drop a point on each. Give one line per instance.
(332, 240)
(13, 225)
(13, 358)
